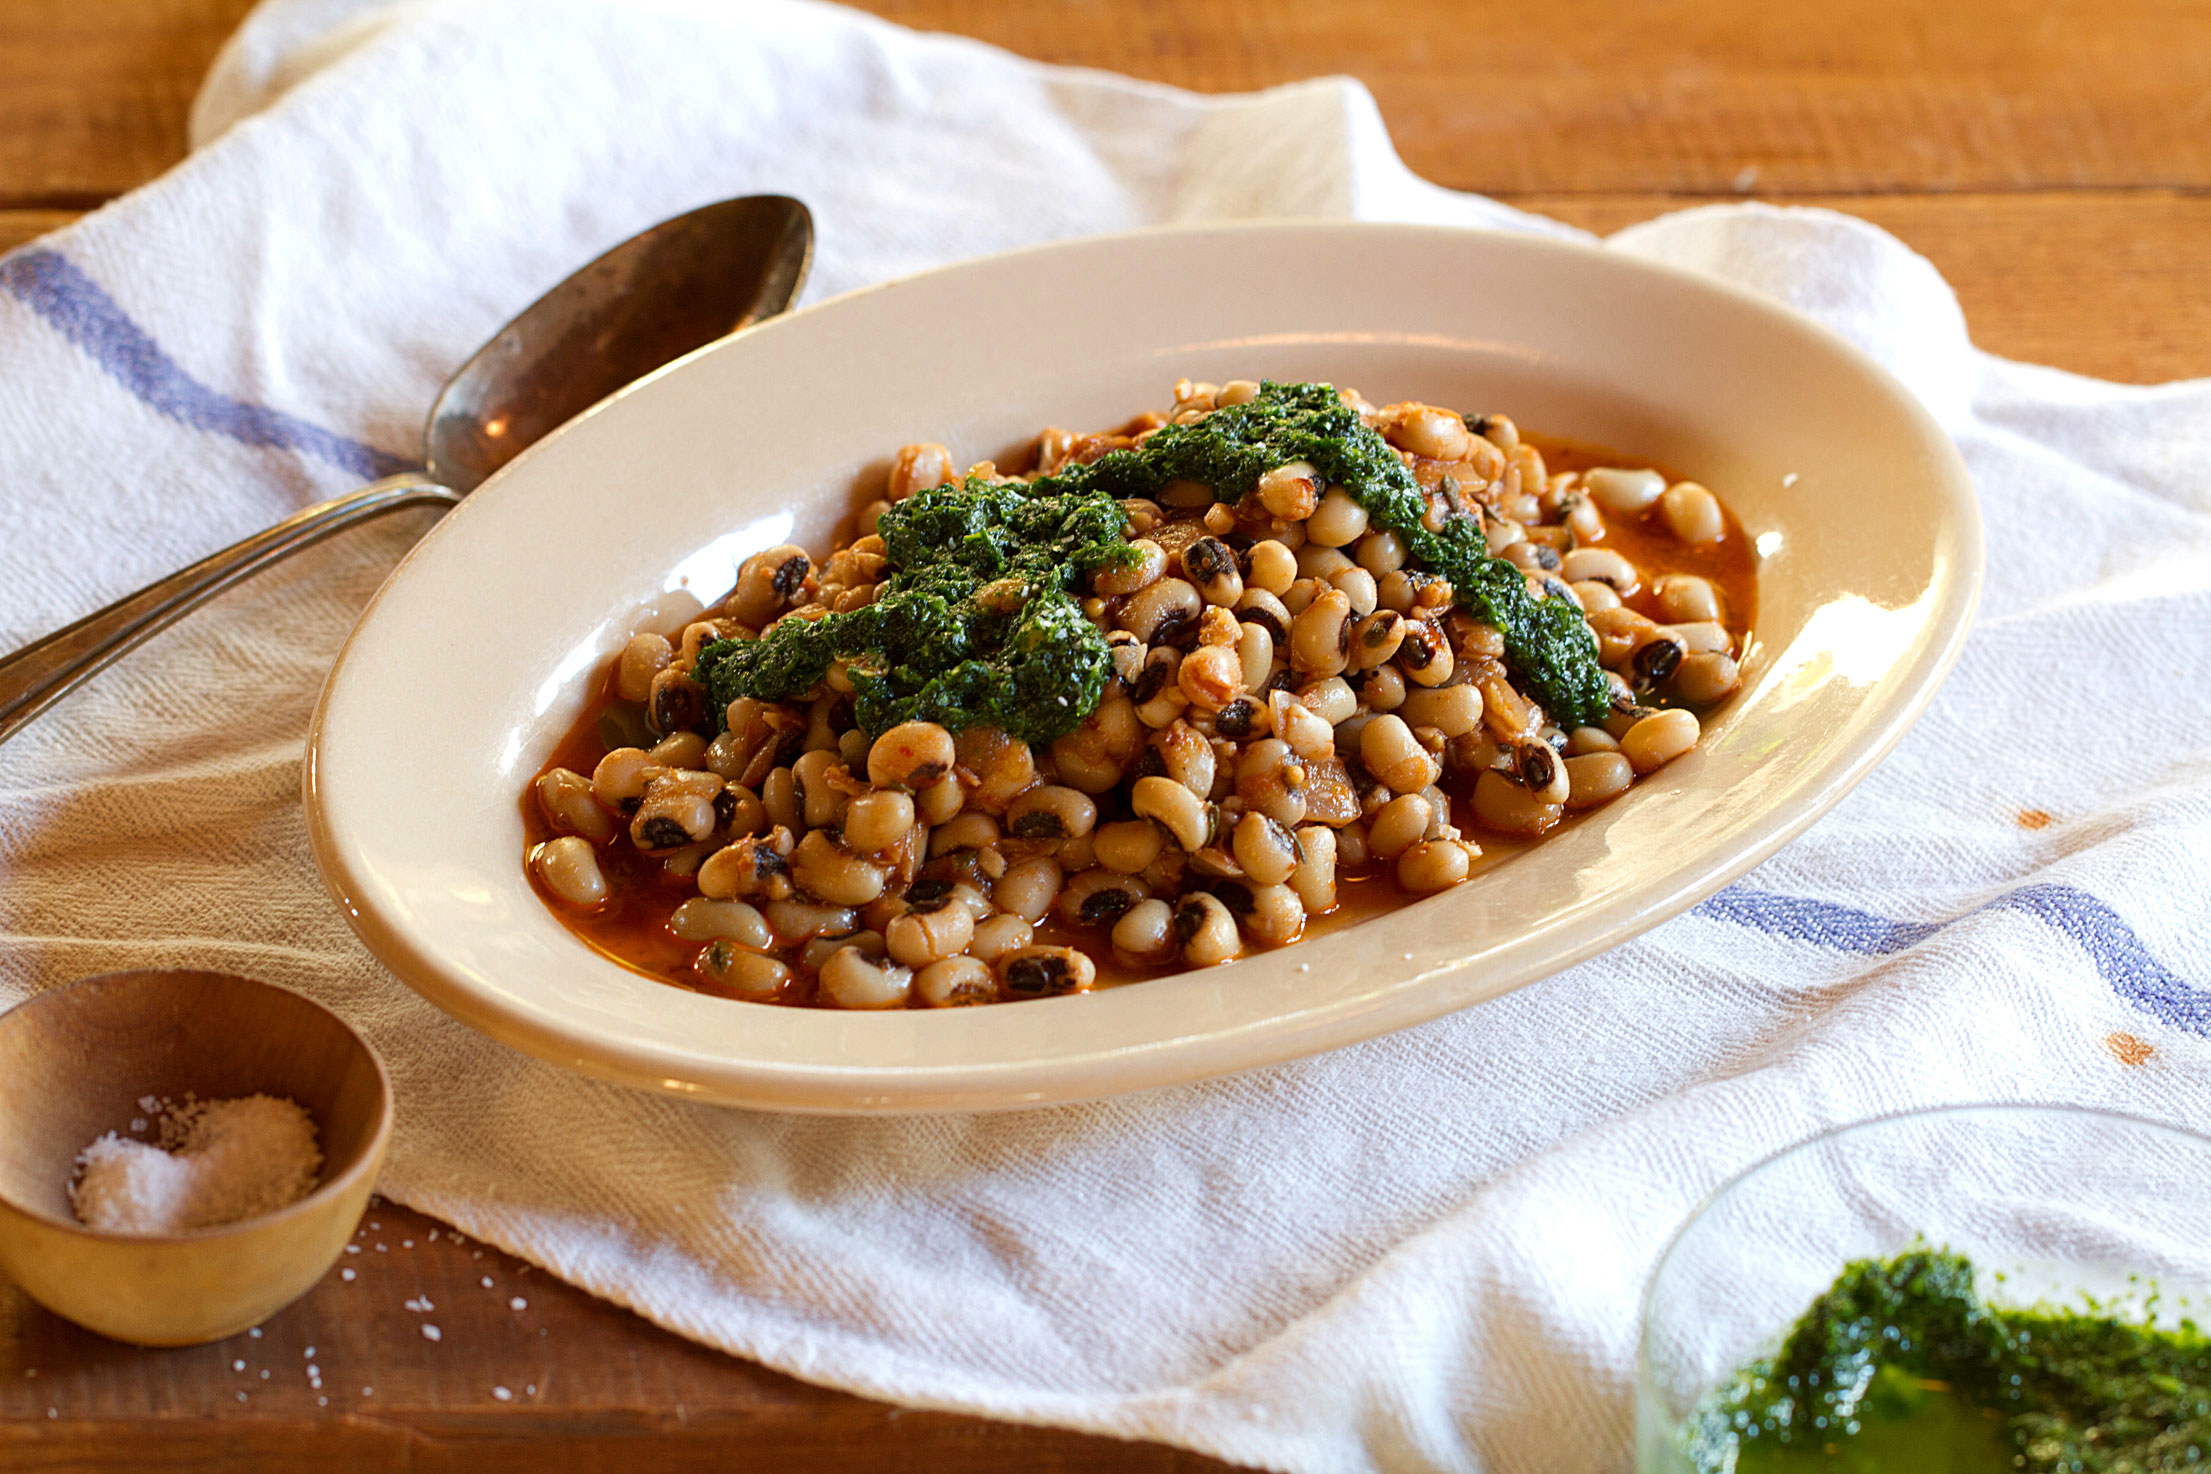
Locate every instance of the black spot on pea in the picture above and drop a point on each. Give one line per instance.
(661, 833)
(1538, 766)
(791, 575)
(1235, 895)
(725, 806)
(1547, 558)
(1235, 719)
(1038, 977)
(1108, 903)
(1657, 660)
(1189, 920)
(1039, 824)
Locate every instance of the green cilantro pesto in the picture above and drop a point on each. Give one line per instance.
(1901, 1366)
(1547, 641)
(1024, 658)
(976, 625)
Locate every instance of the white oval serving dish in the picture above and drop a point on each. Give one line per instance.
(486, 643)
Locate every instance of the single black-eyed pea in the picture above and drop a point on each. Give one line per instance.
(702, 919)
(1271, 568)
(1290, 492)
(1684, 597)
(569, 805)
(769, 582)
(1502, 804)
(1206, 930)
(1398, 826)
(756, 867)
(619, 780)
(1595, 598)
(1374, 639)
(803, 921)
(1028, 889)
(921, 937)
(1692, 513)
(1381, 553)
(1185, 815)
(742, 971)
(1433, 865)
(1424, 655)
(645, 656)
(1539, 769)
(1384, 689)
(1658, 738)
(1098, 897)
(1314, 880)
(1211, 568)
(1357, 585)
(912, 756)
(569, 867)
(1706, 677)
(1162, 610)
(818, 950)
(852, 979)
(1126, 846)
(1044, 972)
(1145, 934)
(1273, 914)
(922, 466)
(1623, 492)
(676, 809)
(1426, 430)
(1597, 777)
(1394, 756)
(1187, 757)
(820, 804)
(1001, 765)
(1265, 848)
(878, 820)
(956, 982)
(1330, 699)
(1051, 811)
(1601, 565)
(999, 934)
(829, 872)
(939, 802)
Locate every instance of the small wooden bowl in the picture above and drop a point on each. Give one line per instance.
(74, 1062)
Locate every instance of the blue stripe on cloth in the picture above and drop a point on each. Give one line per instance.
(51, 285)
(2125, 965)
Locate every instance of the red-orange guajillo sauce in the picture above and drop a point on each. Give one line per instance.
(631, 927)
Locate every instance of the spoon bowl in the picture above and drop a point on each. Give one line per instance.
(652, 299)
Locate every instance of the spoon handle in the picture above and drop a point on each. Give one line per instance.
(38, 674)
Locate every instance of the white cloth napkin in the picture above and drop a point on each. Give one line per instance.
(1423, 1252)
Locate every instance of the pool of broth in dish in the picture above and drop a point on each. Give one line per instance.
(632, 927)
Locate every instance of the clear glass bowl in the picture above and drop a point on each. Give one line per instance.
(2049, 1202)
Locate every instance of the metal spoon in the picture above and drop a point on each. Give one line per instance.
(649, 301)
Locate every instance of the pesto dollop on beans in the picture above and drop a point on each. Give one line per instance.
(1328, 644)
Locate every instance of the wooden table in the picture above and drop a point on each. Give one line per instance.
(2052, 157)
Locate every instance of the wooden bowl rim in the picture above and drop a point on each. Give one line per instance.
(367, 1162)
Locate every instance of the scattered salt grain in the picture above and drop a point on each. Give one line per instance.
(368, 1391)
(241, 1397)
(419, 1304)
(485, 1282)
(308, 1354)
(406, 1243)
(432, 1333)
(1789, 480)
(239, 1365)
(217, 1161)
(345, 1274)
(382, 1250)
(530, 1391)
(55, 1412)
(502, 1394)
(264, 1374)
(518, 1303)
(322, 1402)
(255, 1333)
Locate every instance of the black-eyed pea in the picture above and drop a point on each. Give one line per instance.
(1145, 565)
(569, 805)
(1274, 915)
(1692, 513)
(1706, 677)
(878, 820)
(1308, 733)
(1658, 738)
(1298, 597)
(1265, 848)
(1620, 633)
(978, 905)
(1383, 689)
(1051, 811)
(818, 950)
(1272, 568)
(1397, 591)
(919, 938)
(1597, 777)
(912, 756)
(1127, 846)
(852, 979)
(940, 802)
(1698, 637)
(1580, 516)
(1357, 585)
(1394, 756)
(1502, 803)
(955, 982)
(806, 921)
(1451, 710)
(645, 656)
(1254, 655)
(1656, 659)
(830, 873)
(702, 919)
(1402, 823)
(1205, 931)
(1533, 557)
(769, 582)
(970, 831)
(1211, 568)
(1290, 492)
(1270, 780)
(1145, 934)
(1537, 767)
(1314, 880)
(1162, 610)
(1381, 554)
(1426, 430)
(1685, 598)
(922, 466)
(1434, 865)
(1375, 639)
(1321, 562)
(1045, 972)
(1425, 654)
(1622, 492)
(1099, 897)
(740, 970)
(1594, 597)
(1601, 565)
(820, 804)
(998, 934)
(619, 780)
(1583, 741)
(1028, 889)
(1186, 756)
(1332, 700)
(1352, 851)
(1180, 811)
(756, 867)
(569, 868)
(676, 809)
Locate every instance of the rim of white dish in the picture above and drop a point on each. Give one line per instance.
(852, 1072)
